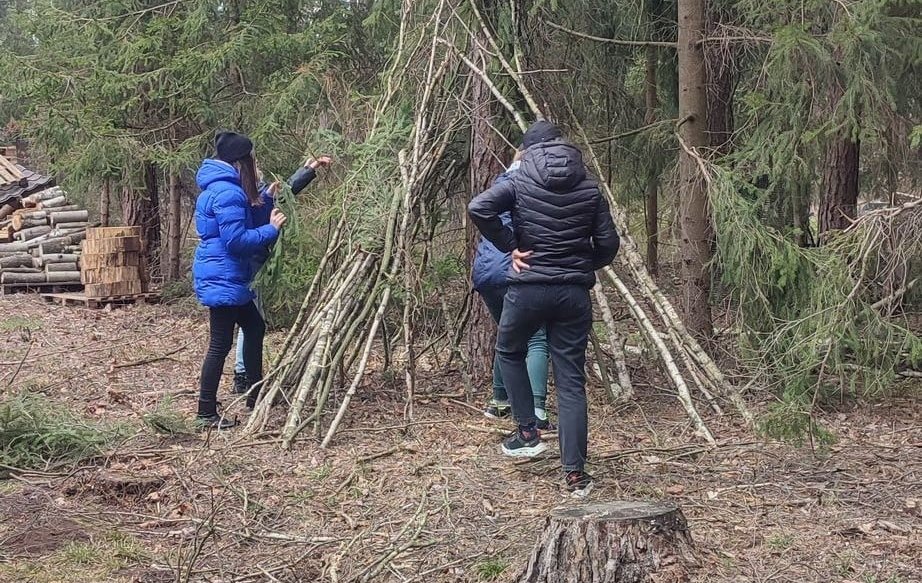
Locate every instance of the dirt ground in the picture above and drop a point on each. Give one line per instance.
(429, 501)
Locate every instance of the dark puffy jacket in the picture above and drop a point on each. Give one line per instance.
(491, 266)
(558, 213)
(230, 236)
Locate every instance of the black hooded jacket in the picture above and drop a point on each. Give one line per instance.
(558, 213)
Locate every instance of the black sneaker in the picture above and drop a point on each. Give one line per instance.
(494, 411)
(214, 422)
(523, 444)
(240, 383)
(546, 425)
(579, 484)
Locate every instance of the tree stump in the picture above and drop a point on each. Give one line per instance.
(616, 542)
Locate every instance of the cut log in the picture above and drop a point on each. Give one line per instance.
(43, 195)
(44, 260)
(21, 270)
(113, 232)
(63, 276)
(104, 290)
(97, 260)
(61, 232)
(75, 226)
(33, 233)
(616, 542)
(111, 274)
(8, 209)
(110, 245)
(69, 217)
(58, 244)
(29, 218)
(52, 203)
(53, 267)
(20, 223)
(7, 277)
(19, 260)
(14, 247)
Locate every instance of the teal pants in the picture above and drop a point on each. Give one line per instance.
(536, 361)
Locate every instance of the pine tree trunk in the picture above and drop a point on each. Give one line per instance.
(142, 208)
(723, 70)
(651, 99)
(694, 215)
(839, 199)
(484, 167)
(174, 229)
(105, 202)
(617, 542)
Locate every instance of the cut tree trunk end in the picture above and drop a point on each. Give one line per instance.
(615, 542)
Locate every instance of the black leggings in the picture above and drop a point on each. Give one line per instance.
(223, 320)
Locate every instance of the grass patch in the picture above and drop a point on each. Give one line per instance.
(490, 569)
(780, 541)
(100, 560)
(165, 420)
(18, 323)
(36, 433)
(80, 553)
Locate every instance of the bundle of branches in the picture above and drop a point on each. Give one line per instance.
(369, 257)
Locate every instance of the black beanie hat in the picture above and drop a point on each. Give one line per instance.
(231, 146)
(540, 131)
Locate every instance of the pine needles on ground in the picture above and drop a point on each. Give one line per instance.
(35, 433)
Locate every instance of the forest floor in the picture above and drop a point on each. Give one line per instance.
(429, 501)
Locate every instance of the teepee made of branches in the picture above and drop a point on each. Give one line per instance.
(327, 350)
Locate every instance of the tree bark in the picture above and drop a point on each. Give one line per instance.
(174, 229)
(484, 167)
(651, 99)
(142, 208)
(722, 68)
(694, 212)
(839, 199)
(617, 542)
(105, 202)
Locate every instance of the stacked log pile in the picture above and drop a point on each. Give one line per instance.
(40, 243)
(112, 262)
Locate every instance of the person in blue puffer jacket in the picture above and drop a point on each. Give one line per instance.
(489, 275)
(234, 228)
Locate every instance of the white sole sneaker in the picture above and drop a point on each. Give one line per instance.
(524, 451)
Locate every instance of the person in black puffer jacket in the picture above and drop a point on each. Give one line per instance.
(561, 232)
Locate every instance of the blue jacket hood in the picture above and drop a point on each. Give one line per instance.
(212, 171)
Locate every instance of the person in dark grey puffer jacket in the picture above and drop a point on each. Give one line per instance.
(561, 232)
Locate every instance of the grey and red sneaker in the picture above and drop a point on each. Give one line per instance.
(525, 442)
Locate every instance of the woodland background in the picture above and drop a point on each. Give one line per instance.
(764, 158)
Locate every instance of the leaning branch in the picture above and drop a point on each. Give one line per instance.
(613, 41)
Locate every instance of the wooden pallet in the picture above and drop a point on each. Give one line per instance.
(79, 299)
(43, 288)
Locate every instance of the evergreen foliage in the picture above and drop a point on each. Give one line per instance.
(105, 89)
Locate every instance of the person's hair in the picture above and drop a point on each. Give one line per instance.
(247, 168)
